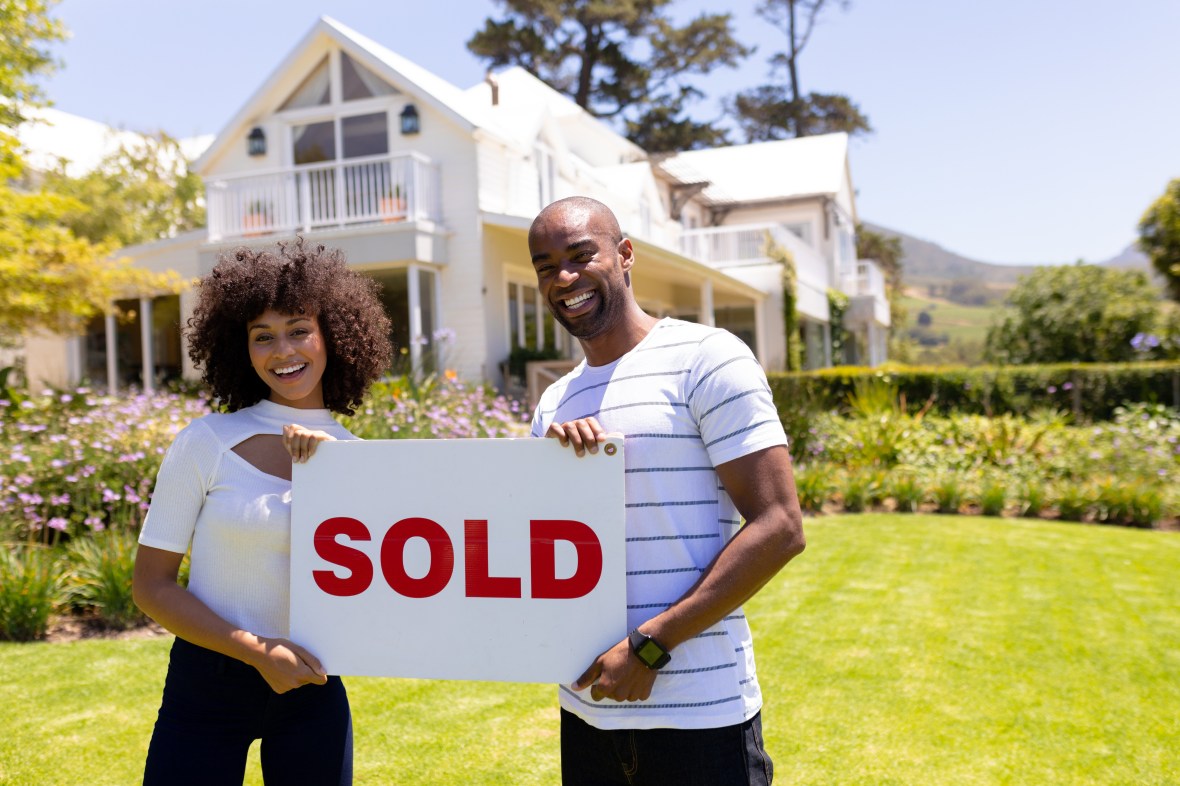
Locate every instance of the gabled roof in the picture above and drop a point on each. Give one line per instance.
(410, 77)
(766, 171)
(524, 102)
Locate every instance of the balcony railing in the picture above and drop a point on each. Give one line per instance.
(868, 280)
(375, 189)
(734, 244)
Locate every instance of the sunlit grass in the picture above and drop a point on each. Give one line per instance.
(898, 649)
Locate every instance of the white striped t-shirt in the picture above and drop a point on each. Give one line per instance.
(687, 398)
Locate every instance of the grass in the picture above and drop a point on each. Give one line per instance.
(899, 649)
(953, 319)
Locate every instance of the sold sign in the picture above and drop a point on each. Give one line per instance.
(482, 559)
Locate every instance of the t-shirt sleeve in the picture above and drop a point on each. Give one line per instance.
(181, 485)
(731, 400)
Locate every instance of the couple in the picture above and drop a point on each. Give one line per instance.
(288, 338)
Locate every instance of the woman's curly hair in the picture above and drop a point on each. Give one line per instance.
(292, 278)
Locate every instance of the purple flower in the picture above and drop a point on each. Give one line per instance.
(58, 523)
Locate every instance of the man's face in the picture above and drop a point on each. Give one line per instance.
(581, 268)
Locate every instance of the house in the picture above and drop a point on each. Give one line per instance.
(430, 189)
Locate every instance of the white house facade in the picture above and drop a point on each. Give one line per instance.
(431, 189)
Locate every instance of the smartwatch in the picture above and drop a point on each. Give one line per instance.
(649, 651)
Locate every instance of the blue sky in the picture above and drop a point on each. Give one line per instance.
(1011, 131)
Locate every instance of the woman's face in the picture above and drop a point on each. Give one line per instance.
(288, 353)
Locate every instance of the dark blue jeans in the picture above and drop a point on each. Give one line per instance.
(214, 706)
(727, 756)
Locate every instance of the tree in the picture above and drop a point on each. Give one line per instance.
(623, 60)
(53, 279)
(139, 193)
(26, 30)
(1079, 313)
(781, 111)
(1159, 236)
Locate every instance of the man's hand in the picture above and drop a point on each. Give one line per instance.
(301, 442)
(617, 674)
(582, 434)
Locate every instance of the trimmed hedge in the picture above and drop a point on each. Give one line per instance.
(1090, 391)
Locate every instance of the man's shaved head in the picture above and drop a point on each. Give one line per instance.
(582, 210)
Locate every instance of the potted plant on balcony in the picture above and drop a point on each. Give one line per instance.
(393, 206)
(257, 219)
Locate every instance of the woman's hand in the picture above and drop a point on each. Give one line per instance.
(286, 666)
(301, 442)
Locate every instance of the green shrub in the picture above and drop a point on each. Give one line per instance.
(993, 496)
(101, 569)
(1090, 391)
(905, 490)
(1030, 498)
(855, 490)
(814, 485)
(1072, 500)
(30, 589)
(949, 492)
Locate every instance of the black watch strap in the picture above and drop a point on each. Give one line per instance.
(649, 651)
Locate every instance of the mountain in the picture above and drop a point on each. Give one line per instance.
(926, 263)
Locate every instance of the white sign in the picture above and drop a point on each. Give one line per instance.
(479, 559)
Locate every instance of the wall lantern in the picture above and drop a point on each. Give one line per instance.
(256, 142)
(409, 118)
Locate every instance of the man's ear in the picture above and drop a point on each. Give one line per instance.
(626, 254)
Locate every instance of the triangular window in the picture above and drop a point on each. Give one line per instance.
(358, 82)
(314, 91)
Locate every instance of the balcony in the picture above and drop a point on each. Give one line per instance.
(866, 288)
(741, 250)
(372, 190)
(726, 246)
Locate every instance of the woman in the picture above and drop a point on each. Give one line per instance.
(284, 337)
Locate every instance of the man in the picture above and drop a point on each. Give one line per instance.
(677, 701)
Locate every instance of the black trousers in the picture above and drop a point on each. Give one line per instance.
(725, 756)
(214, 707)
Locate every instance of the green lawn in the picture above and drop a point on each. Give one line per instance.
(953, 319)
(896, 650)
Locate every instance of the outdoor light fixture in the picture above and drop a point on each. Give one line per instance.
(409, 118)
(256, 142)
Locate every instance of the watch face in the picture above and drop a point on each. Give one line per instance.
(649, 652)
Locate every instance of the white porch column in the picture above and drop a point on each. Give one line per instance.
(414, 293)
(708, 317)
(539, 312)
(827, 345)
(109, 328)
(145, 340)
(75, 360)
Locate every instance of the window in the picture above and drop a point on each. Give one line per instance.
(313, 91)
(357, 82)
(314, 142)
(365, 135)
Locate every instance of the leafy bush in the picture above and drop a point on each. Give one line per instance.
(949, 492)
(30, 589)
(1089, 391)
(438, 406)
(79, 463)
(813, 484)
(993, 496)
(906, 491)
(101, 569)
